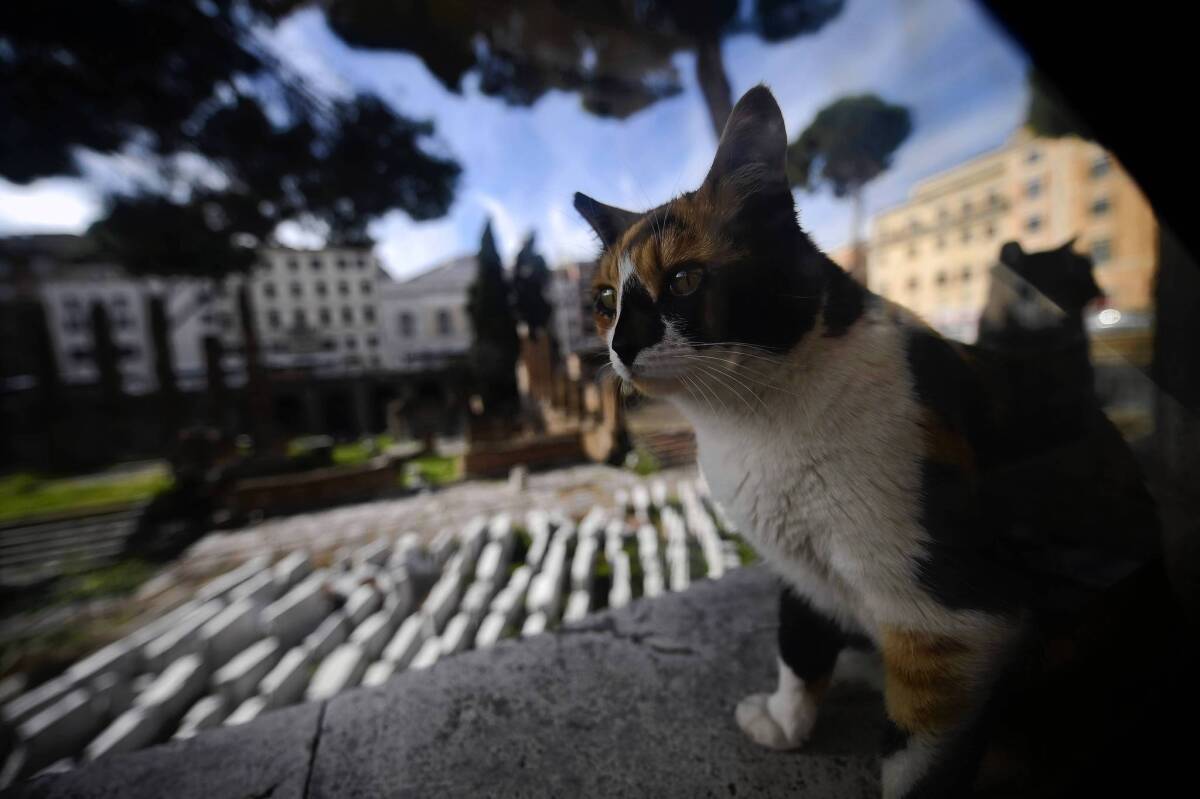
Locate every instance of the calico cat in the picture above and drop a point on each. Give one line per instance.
(847, 440)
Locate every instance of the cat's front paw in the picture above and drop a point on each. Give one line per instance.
(779, 720)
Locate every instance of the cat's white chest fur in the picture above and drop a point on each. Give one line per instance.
(824, 477)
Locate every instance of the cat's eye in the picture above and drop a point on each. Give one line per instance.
(606, 302)
(685, 281)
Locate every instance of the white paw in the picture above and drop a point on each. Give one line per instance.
(777, 721)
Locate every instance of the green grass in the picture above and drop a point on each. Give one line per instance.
(360, 451)
(437, 469)
(122, 577)
(24, 494)
(642, 462)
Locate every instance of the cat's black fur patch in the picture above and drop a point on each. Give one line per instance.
(893, 740)
(845, 301)
(809, 641)
(639, 325)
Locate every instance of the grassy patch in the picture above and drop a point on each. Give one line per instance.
(437, 469)
(746, 553)
(25, 494)
(360, 451)
(122, 577)
(642, 462)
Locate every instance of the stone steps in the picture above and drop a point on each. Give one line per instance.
(265, 635)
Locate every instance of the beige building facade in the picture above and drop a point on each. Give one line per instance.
(934, 252)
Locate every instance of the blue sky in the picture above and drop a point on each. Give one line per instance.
(962, 79)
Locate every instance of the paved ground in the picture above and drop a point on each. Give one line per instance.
(634, 702)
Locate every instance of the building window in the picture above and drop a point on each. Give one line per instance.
(941, 242)
(914, 226)
(941, 278)
(993, 199)
(1101, 206)
(1101, 166)
(324, 315)
(348, 315)
(1033, 188)
(966, 233)
(362, 263)
(1101, 251)
(351, 343)
(967, 208)
(372, 342)
(343, 288)
(966, 274)
(341, 264)
(315, 263)
(943, 214)
(298, 318)
(269, 290)
(273, 319)
(1033, 156)
(320, 288)
(297, 290)
(991, 230)
(365, 287)
(406, 325)
(1033, 224)
(293, 264)
(445, 325)
(369, 315)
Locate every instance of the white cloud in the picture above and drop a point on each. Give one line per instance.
(50, 205)
(408, 248)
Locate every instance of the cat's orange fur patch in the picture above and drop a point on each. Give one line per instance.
(926, 687)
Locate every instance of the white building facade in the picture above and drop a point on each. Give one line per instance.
(424, 320)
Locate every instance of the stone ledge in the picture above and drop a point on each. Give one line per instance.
(632, 702)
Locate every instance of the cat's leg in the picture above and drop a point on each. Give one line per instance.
(809, 643)
(935, 688)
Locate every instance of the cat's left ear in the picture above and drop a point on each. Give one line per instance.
(608, 221)
(753, 148)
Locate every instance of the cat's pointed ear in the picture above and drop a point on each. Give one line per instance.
(753, 148)
(608, 221)
(1011, 253)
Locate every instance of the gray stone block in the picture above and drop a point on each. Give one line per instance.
(430, 653)
(375, 553)
(583, 564)
(578, 605)
(111, 695)
(37, 699)
(621, 593)
(175, 689)
(407, 641)
(362, 603)
(181, 639)
(291, 570)
(238, 679)
(207, 712)
(535, 624)
(459, 634)
(222, 585)
(490, 630)
(231, 631)
(478, 596)
(247, 711)
(443, 600)
(342, 670)
(378, 673)
(334, 630)
(286, 682)
(134, 729)
(58, 730)
(298, 612)
(492, 562)
(258, 590)
(374, 633)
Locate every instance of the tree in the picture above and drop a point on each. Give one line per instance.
(531, 278)
(848, 144)
(618, 55)
(228, 142)
(164, 364)
(494, 344)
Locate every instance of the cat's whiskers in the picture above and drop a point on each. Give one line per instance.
(723, 376)
(732, 372)
(733, 391)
